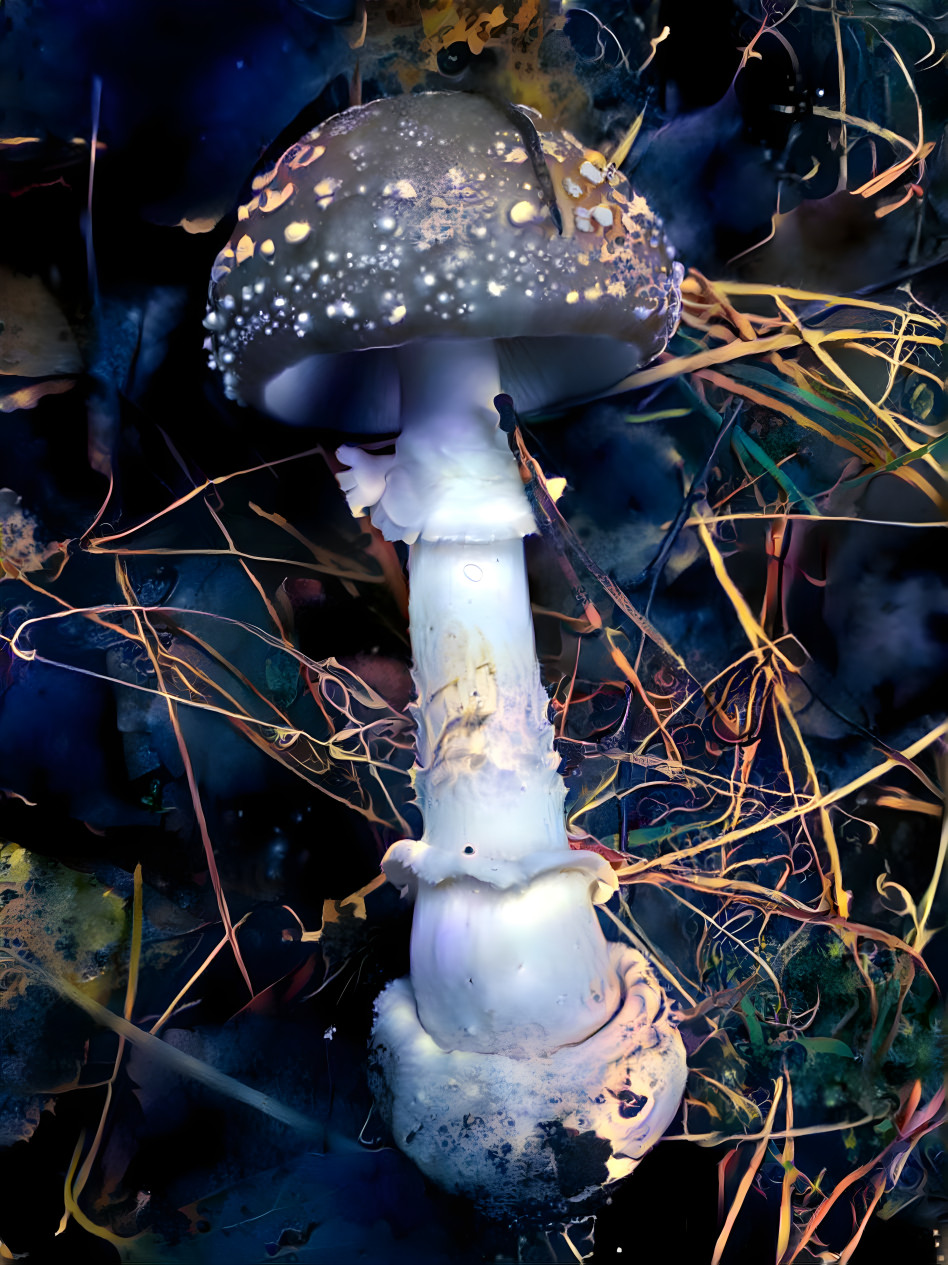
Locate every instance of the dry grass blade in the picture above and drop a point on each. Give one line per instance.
(913, 1129)
(75, 1184)
(748, 1176)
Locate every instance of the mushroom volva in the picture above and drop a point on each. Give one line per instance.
(406, 262)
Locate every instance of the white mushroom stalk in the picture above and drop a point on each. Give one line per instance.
(507, 955)
(526, 1061)
(520, 1026)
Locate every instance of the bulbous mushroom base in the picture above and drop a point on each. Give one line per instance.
(539, 1135)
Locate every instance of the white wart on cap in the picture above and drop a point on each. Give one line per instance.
(421, 217)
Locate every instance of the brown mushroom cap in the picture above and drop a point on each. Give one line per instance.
(419, 217)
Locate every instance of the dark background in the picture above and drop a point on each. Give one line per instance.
(187, 102)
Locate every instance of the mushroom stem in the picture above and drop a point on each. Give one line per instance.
(507, 953)
(452, 476)
(486, 768)
(519, 1019)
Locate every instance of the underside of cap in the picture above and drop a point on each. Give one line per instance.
(359, 392)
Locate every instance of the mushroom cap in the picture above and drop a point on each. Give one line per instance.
(419, 217)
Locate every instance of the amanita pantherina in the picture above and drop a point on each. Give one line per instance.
(407, 261)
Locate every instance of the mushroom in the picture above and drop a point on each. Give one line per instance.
(404, 264)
